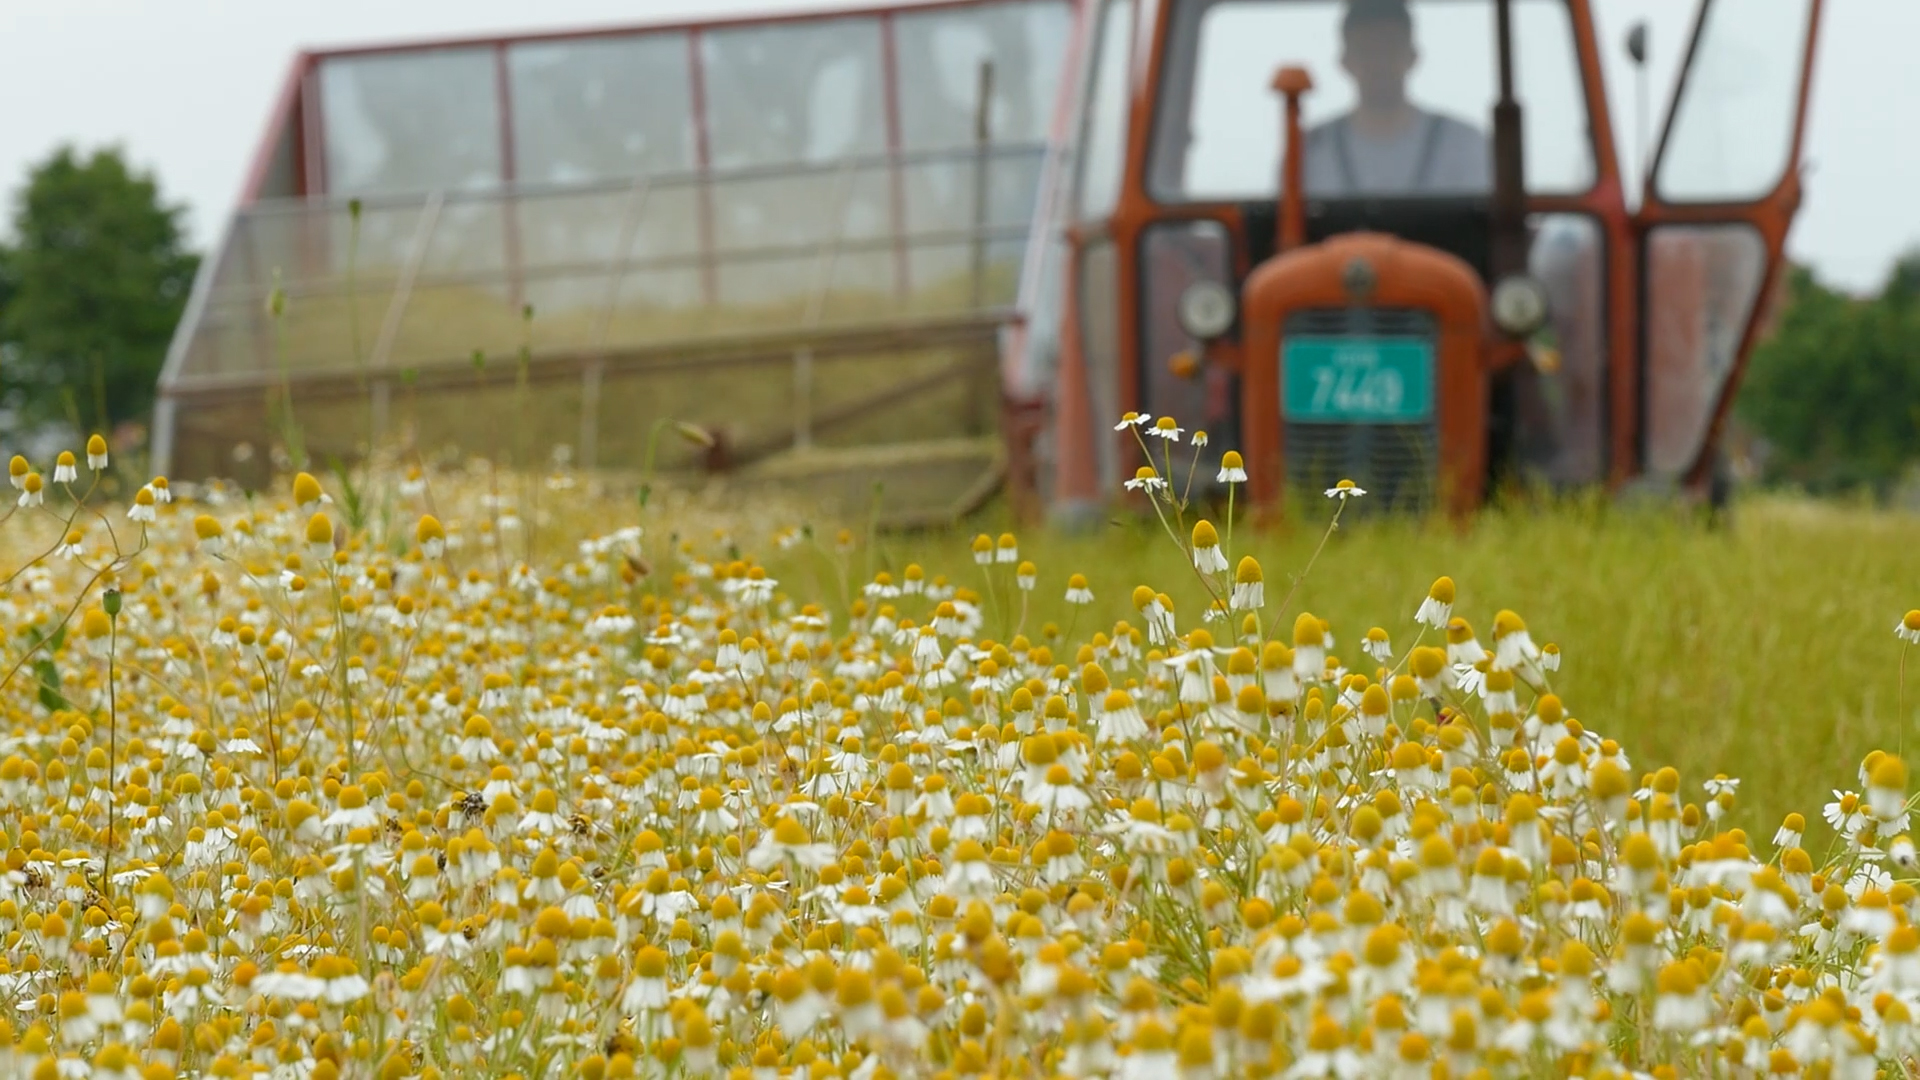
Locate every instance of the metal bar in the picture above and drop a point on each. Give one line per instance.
(703, 160)
(403, 288)
(314, 122)
(743, 256)
(740, 173)
(982, 177)
(865, 11)
(702, 353)
(896, 183)
(510, 208)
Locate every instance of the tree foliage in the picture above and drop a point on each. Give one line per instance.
(90, 290)
(1835, 392)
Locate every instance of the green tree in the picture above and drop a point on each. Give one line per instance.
(90, 290)
(1835, 392)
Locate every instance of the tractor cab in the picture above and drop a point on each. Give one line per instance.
(1390, 240)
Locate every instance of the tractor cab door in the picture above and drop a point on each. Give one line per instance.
(1713, 222)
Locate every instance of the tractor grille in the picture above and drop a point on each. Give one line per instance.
(1397, 463)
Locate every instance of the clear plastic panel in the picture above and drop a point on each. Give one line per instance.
(1732, 127)
(1173, 257)
(800, 92)
(601, 108)
(1562, 394)
(1219, 130)
(1104, 139)
(939, 56)
(411, 122)
(1702, 282)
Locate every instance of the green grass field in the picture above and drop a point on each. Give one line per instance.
(1764, 650)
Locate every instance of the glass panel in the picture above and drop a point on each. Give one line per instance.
(1400, 107)
(1702, 281)
(1561, 395)
(942, 52)
(1172, 257)
(411, 122)
(1099, 304)
(1103, 161)
(807, 92)
(1732, 127)
(600, 108)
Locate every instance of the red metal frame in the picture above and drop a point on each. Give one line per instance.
(818, 14)
(287, 112)
(1771, 215)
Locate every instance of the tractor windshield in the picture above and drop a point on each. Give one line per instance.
(1401, 106)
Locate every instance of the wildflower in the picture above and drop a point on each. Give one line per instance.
(1887, 789)
(1025, 576)
(307, 493)
(353, 812)
(64, 470)
(1133, 419)
(1077, 590)
(1681, 1004)
(1908, 628)
(1790, 832)
(142, 509)
(1309, 648)
(1207, 557)
(788, 842)
(69, 546)
(1377, 645)
(430, 536)
(1166, 428)
(1843, 813)
(29, 486)
(96, 452)
(1146, 479)
(209, 532)
(983, 550)
(1437, 609)
(1344, 490)
(1198, 438)
(1513, 647)
(1233, 470)
(162, 493)
(320, 535)
(1249, 586)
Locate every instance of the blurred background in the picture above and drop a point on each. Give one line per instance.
(136, 120)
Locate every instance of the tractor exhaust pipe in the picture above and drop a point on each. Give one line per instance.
(1509, 162)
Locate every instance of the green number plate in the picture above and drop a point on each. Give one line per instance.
(1356, 380)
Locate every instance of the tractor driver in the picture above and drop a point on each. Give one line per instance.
(1387, 145)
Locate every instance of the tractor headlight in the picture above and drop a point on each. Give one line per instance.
(1520, 305)
(1206, 310)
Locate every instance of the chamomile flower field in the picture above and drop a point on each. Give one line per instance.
(456, 773)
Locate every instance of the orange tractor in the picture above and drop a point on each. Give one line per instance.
(1391, 240)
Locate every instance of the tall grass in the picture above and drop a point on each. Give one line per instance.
(1763, 650)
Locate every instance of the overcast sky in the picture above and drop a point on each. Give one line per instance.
(185, 86)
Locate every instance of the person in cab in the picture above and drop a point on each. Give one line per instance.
(1387, 145)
